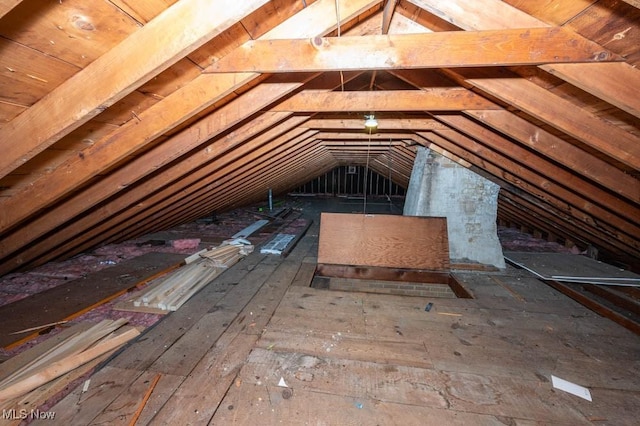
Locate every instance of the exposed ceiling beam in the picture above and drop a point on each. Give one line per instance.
(527, 46)
(451, 156)
(584, 195)
(357, 144)
(543, 180)
(284, 167)
(112, 148)
(148, 198)
(384, 123)
(543, 191)
(436, 99)
(479, 14)
(195, 200)
(118, 72)
(555, 148)
(362, 136)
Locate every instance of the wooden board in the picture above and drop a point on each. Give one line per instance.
(384, 240)
(305, 275)
(70, 299)
(18, 361)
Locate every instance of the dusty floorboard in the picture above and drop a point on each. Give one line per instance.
(356, 358)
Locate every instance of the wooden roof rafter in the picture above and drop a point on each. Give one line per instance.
(77, 100)
(496, 14)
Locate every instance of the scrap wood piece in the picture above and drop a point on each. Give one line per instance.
(76, 343)
(508, 288)
(223, 256)
(129, 304)
(181, 275)
(63, 358)
(176, 289)
(195, 256)
(595, 306)
(146, 397)
(40, 327)
(34, 399)
(184, 292)
(26, 356)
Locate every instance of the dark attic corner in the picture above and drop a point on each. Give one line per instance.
(319, 212)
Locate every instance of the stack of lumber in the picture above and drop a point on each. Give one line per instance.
(180, 286)
(37, 367)
(227, 254)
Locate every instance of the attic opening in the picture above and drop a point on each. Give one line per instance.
(387, 254)
(393, 281)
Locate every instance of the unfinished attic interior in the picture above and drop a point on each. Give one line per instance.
(320, 212)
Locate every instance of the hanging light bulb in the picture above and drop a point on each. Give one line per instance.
(370, 122)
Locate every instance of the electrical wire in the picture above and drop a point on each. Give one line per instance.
(366, 174)
(339, 34)
(338, 15)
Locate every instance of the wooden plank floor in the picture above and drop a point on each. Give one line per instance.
(357, 358)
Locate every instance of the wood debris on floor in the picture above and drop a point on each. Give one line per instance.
(29, 379)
